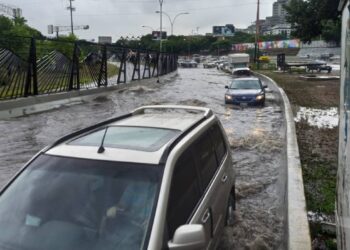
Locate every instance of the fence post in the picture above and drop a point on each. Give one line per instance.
(75, 69)
(155, 65)
(103, 69)
(32, 79)
(136, 62)
(105, 65)
(122, 68)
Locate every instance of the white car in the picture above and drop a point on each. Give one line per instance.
(160, 177)
(241, 72)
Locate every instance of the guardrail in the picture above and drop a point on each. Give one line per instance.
(30, 67)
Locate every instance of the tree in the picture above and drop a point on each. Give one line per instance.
(314, 18)
(6, 25)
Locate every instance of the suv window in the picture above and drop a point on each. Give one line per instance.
(219, 143)
(206, 158)
(184, 192)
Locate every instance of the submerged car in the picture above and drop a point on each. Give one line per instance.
(245, 91)
(160, 177)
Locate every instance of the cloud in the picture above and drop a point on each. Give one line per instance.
(125, 17)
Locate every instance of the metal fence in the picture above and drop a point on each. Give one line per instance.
(31, 66)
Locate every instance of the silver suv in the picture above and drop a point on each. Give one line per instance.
(160, 177)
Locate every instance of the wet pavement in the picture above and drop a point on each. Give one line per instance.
(257, 137)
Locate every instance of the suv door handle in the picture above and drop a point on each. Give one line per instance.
(224, 178)
(206, 216)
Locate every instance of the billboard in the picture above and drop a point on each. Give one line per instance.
(156, 35)
(227, 30)
(283, 44)
(105, 39)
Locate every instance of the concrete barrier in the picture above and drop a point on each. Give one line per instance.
(298, 232)
(41, 103)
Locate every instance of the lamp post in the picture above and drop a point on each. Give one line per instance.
(160, 36)
(257, 34)
(172, 21)
(161, 23)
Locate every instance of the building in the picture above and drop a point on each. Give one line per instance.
(278, 8)
(275, 24)
(280, 29)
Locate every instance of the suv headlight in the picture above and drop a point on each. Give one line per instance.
(259, 97)
(228, 97)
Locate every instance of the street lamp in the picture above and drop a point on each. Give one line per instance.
(149, 27)
(172, 21)
(160, 40)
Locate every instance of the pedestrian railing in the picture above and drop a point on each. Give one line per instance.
(30, 66)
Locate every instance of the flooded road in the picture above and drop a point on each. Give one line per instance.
(257, 137)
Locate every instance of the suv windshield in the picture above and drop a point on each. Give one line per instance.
(73, 204)
(245, 84)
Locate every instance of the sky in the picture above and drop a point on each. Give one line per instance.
(118, 18)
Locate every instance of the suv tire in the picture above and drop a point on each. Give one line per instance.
(231, 207)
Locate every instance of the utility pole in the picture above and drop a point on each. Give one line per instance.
(161, 24)
(71, 9)
(257, 35)
(161, 38)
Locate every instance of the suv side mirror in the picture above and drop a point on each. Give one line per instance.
(188, 237)
(265, 86)
(226, 87)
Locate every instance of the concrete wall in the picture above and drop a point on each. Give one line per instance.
(319, 44)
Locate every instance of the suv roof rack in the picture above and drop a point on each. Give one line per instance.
(207, 112)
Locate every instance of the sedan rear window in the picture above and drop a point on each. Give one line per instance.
(245, 84)
(63, 203)
(134, 138)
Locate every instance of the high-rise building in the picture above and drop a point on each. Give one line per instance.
(278, 8)
(275, 24)
(278, 12)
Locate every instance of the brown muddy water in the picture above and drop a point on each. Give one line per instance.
(257, 137)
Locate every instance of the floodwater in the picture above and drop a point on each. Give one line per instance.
(257, 137)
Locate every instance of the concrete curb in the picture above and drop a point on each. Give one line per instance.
(36, 104)
(298, 231)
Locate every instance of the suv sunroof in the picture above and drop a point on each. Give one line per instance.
(135, 138)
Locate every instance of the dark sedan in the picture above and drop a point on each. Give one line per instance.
(245, 91)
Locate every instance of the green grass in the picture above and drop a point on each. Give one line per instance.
(320, 187)
(318, 147)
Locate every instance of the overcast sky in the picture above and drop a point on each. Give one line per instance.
(125, 17)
